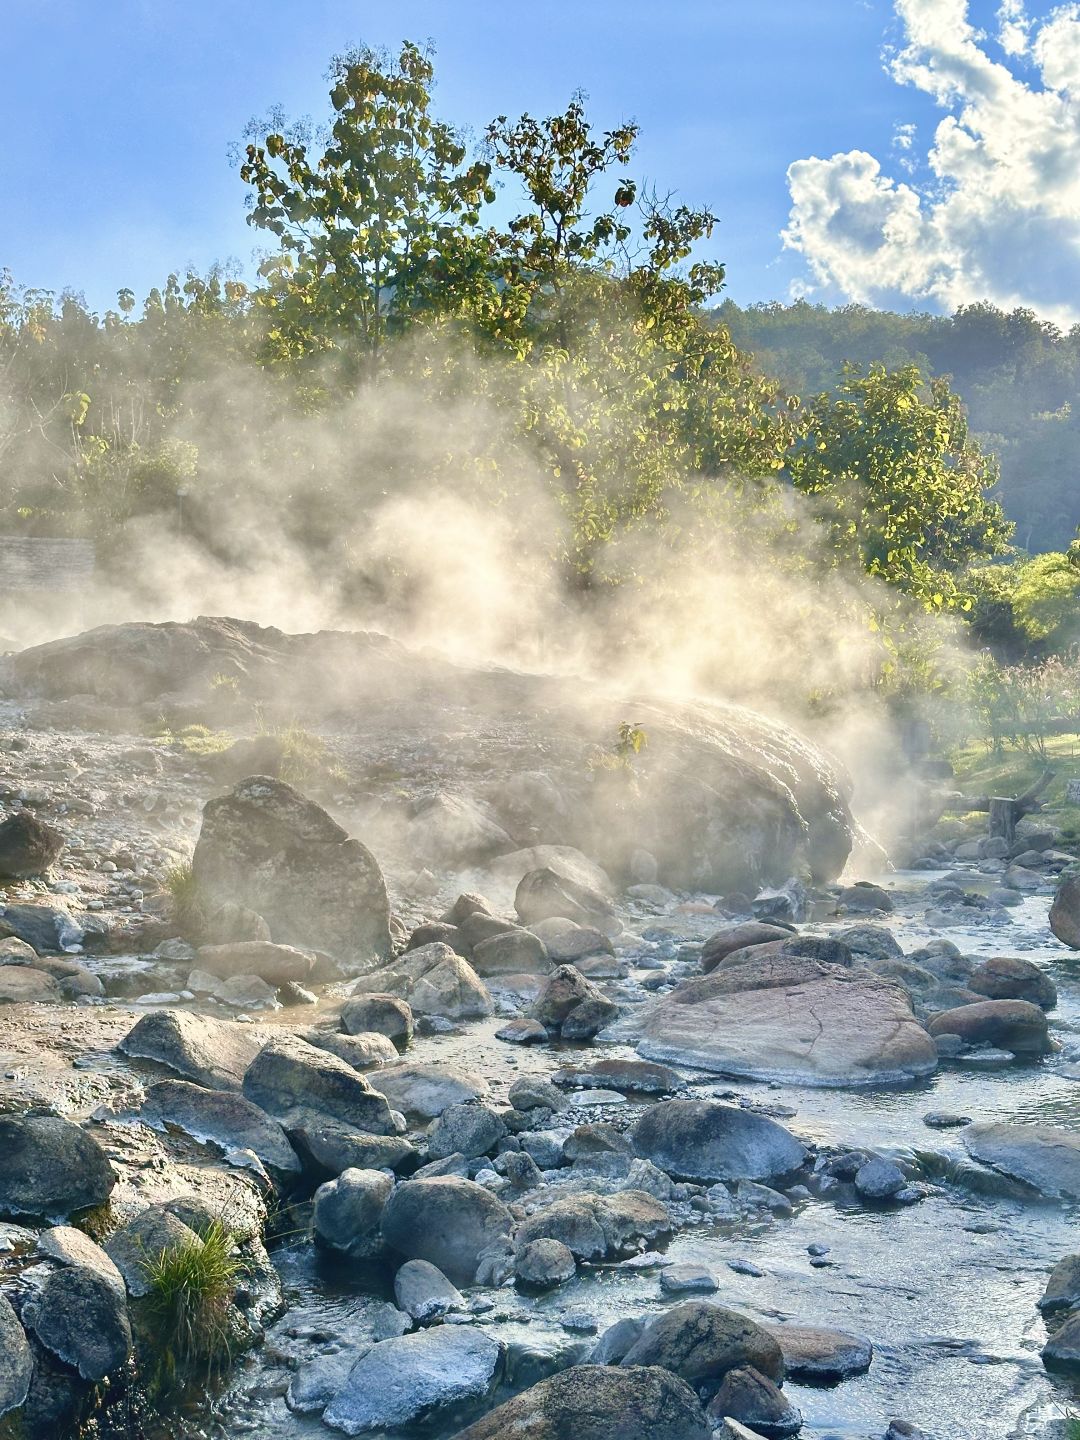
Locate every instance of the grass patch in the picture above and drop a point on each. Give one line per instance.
(188, 1308)
(188, 912)
(306, 759)
(1011, 772)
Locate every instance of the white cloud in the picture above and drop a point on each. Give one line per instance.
(999, 219)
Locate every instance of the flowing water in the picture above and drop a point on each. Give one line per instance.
(946, 1289)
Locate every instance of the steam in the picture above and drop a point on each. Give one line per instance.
(422, 514)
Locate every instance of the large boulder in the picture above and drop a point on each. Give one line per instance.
(290, 1079)
(214, 1053)
(16, 1359)
(380, 1014)
(223, 1118)
(791, 1018)
(45, 927)
(570, 1002)
(435, 980)
(1014, 1025)
(448, 1221)
(50, 1167)
(700, 1342)
(271, 849)
(703, 1140)
(28, 846)
(1065, 912)
(1006, 977)
(725, 799)
(415, 1379)
(23, 985)
(597, 1402)
(1042, 1156)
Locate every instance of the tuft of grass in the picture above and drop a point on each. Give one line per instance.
(188, 911)
(189, 1305)
(306, 759)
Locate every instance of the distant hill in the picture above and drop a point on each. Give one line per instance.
(1019, 377)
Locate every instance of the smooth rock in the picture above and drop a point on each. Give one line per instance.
(82, 1317)
(1013, 1025)
(426, 1090)
(447, 1221)
(348, 1209)
(704, 1140)
(597, 1402)
(435, 980)
(16, 1359)
(272, 963)
(50, 1167)
(214, 1053)
(418, 1377)
(700, 1342)
(1041, 1156)
(424, 1293)
(383, 1014)
(817, 1356)
(469, 1130)
(752, 1399)
(28, 846)
(542, 1264)
(289, 1077)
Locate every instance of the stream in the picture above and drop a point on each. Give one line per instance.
(946, 1289)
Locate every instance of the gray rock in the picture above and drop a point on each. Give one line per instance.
(700, 1342)
(45, 927)
(730, 939)
(531, 1092)
(28, 846)
(1062, 1350)
(384, 1014)
(435, 980)
(879, 1179)
(1041, 1156)
(225, 1119)
(82, 1317)
(50, 1167)
(599, 1227)
(424, 1293)
(427, 1090)
(469, 1130)
(333, 1147)
(152, 1232)
(750, 1398)
(289, 1077)
(817, 1356)
(1065, 912)
(543, 1264)
(24, 985)
(549, 893)
(447, 1221)
(522, 1031)
(567, 993)
(634, 1076)
(69, 1246)
(214, 1053)
(688, 1280)
(704, 1140)
(366, 1050)
(348, 1209)
(865, 896)
(515, 952)
(418, 1377)
(873, 942)
(1063, 1288)
(565, 941)
(269, 848)
(597, 1402)
(16, 1360)
(1005, 977)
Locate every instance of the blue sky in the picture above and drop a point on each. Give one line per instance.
(117, 116)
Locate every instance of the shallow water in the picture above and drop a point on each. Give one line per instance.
(945, 1289)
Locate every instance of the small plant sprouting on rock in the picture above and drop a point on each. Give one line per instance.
(630, 740)
(189, 1303)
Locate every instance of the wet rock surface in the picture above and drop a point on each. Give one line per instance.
(549, 1200)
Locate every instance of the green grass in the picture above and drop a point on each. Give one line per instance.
(305, 758)
(1010, 772)
(188, 912)
(188, 1307)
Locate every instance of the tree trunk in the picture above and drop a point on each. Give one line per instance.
(1003, 818)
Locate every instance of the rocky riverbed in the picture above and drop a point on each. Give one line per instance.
(489, 1125)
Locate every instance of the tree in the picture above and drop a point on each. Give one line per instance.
(382, 223)
(900, 483)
